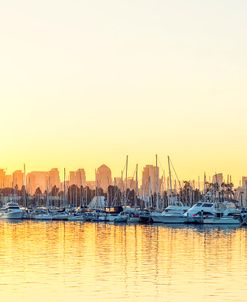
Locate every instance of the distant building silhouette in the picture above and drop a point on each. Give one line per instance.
(91, 184)
(118, 181)
(218, 178)
(53, 178)
(77, 178)
(2, 176)
(131, 183)
(103, 177)
(37, 179)
(18, 179)
(8, 181)
(149, 177)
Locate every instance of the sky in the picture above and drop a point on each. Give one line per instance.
(87, 82)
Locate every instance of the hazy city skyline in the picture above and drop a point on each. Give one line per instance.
(150, 179)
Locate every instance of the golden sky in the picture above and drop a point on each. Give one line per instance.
(87, 82)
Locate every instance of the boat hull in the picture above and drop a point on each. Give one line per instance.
(133, 219)
(168, 219)
(42, 217)
(76, 218)
(223, 220)
(12, 215)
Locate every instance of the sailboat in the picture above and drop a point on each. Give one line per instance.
(174, 213)
(134, 214)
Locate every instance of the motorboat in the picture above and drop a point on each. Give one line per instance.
(213, 213)
(145, 216)
(121, 218)
(11, 210)
(174, 213)
(41, 213)
(222, 220)
(76, 217)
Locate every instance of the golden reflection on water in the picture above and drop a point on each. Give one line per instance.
(57, 261)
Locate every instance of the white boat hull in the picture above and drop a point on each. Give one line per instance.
(168, 219)
(60, 217)
(121, 219)
(221, 220)
(12, 215)
(133, 219)
(42, 217)
(76, 218)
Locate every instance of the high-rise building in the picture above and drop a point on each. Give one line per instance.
(18, 179)
(131, 183)
(103, 177)
(77, 178)
(244, 181)
(2, 176)
(218, 178)
(118, 181)
(37, 179)
(8, 181)
(150, 179)
(54, 178)
(91, 184)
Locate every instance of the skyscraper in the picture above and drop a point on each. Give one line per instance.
(2, 176)
(103, 177)
(150, 179)
(54, 178)
(18, 179)
(218, 178)
(77, 178)
(37, 179)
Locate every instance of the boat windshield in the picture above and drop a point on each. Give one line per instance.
(207, 205)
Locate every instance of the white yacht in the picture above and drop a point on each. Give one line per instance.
(59, 214)
(41, 214)
(121, 218)
(133, 214)
(76, 217)
(174, 213)
(208, 212)
(11, 210)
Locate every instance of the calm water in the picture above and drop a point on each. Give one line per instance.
(71, 261)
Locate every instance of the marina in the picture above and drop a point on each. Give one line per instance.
(161, 201)
(204, 212)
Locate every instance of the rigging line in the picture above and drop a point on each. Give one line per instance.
(162, 169)
(176, 175)
(131, 184)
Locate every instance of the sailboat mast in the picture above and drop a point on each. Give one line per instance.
(64, 188)
(126, 180)
(170, 176)
(24, 185)
(81, 189)
(149, 192)
(204, 183)
(96, 189)
(170, 180)
(157, 182)
(136, 186)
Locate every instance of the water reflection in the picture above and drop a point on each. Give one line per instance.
(57, 261)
